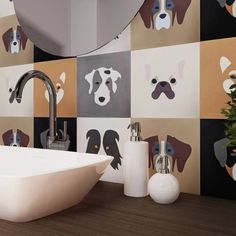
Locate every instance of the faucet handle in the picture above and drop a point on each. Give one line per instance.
(64, 130)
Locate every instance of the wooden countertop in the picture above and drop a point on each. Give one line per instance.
(106, 211)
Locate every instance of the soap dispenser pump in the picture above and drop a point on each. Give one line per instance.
(163, 187)
(135, 164)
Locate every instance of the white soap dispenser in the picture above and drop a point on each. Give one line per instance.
(135, 162)
(163, 187)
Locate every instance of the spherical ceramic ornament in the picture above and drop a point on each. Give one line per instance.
(163, 188)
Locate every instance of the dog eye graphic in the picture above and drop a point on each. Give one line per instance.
(173, 81)
(97, 83)
(169, 5)
(18, 35)
(96, 147)
(10, 90)
(154, 81)
(156, 7)
(233, 76)
(108, 82)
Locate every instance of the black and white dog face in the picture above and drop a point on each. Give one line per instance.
(230, 6)
(102, 82)
(14, 40)
(110, 145)
(228, 73)
(166, 83)
(15, 139)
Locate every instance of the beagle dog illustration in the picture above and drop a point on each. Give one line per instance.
(178, 150)
(101, 82)
(59, 88)
(230, 6)
(226, 156)
(166, 85)
(14, 40)
(110, 145)
(159, 14)
(15, 139)
(228, 72)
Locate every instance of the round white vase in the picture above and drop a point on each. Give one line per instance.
(164, 188)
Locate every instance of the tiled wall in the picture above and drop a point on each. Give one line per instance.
(169, 77)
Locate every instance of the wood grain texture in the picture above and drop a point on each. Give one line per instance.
(106, 211)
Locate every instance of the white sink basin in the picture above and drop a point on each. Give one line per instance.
(36, 182)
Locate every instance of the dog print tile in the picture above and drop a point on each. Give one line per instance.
(41, 132)
(15, 47)
(6, 8)
(121, 43)
(9, 106)
(218, 66)
(182, 138)
(218, 19)
(63, 75)
(218, 162)
(104, 85)
(105, 136)
(166, 87)
(166, 22)
(16, 132)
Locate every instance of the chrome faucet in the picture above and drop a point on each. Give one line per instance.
(53, 141)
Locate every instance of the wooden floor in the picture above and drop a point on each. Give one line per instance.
(106, 211)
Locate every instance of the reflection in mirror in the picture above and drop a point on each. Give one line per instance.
(74, 27)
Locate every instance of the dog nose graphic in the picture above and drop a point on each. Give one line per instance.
(14, 43)
(162, 16)
(163, 84)
(14, 145)
(101, 99)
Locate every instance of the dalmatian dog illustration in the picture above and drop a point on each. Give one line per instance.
(229, 5)
(14, 40)
(102, 82)
(161, 14)
(59, 88)
(226, 156)
(175, 148)
(110, 145)
(15, 138)
(228, 72)
(166, 83)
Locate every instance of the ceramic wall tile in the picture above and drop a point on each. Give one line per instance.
(183, 141)
(16, 131)
(166, 86)
(7, 8)
(218, 19)
(15, 47)
(162, 22)
(218, 163)
(9, 106)
(104, 85)
(63, 75)
(104, 136)
(218, 64)
(41, 131)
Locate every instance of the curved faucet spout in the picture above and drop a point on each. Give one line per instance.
(17, 94)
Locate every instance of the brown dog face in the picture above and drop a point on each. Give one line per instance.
(229, 5)
(14, 40)
(15, 139)
(159, 14)
(178, 150)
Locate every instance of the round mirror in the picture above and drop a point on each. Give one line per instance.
(74, 27)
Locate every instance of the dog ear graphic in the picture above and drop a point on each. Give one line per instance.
(147, 14)
(23, 37)
(94, 141)
(110, 144)
(181, 152)
(180, 9)
(6, 39)
(6, 137)
(24, 138)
